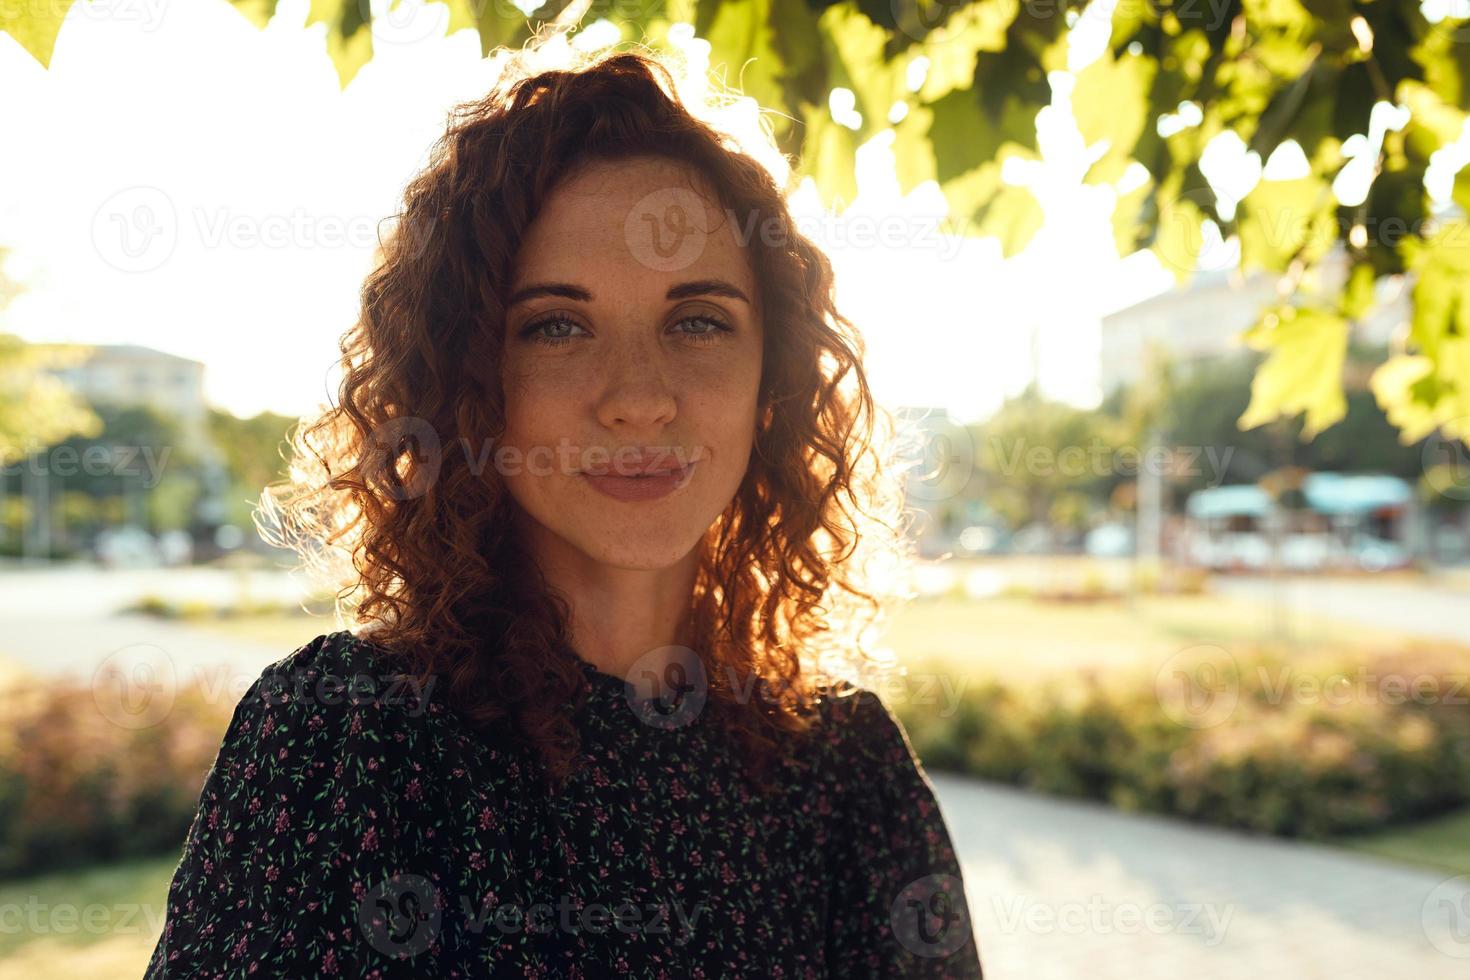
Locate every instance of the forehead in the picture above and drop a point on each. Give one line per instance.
(633, 224)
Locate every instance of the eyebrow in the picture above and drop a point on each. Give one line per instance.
(683, 290)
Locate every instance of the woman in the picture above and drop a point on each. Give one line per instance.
(604, 468)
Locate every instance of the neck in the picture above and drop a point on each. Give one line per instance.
(619, 616)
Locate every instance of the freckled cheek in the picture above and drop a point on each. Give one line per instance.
(724, 415)
(540, 406)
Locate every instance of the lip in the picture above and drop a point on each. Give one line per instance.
(642, 464)
(632, 489)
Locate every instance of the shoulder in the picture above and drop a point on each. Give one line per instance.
(320, 790)
(864, 753)
(339, 654)
(860, 726)
(858, 747)
(340, 675)
(336, 699)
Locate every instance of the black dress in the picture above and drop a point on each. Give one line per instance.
(351, 827)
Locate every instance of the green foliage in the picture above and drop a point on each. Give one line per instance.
(36, 408)
(1202, 404)
(1271, 72)
(254, 449)
(1303, 372)
(1039, 459)
(75, 788)
(1298, 755)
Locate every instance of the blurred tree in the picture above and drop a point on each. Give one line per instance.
(36, 408)
(137, 469)
(1040, 459)
(253, 447)
(1368, 89)
(254, 455)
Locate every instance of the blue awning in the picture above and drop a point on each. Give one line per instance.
(1229, 501)
(1338, 493)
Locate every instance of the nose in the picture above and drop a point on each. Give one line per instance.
(636, 393)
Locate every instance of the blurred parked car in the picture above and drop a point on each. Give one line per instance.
(1034, 539)
(1110, 540)
(176, 547)
(982, 539)
(127, 546)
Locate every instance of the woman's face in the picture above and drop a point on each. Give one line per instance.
(633, 344)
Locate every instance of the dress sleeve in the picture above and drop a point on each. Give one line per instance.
(897, 903)
(292, 835)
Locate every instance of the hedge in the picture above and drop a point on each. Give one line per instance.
(1391, 746)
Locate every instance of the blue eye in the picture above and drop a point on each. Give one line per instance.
(537, 330)
(554, 340)
(715, 325)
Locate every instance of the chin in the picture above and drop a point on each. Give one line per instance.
(659, 548)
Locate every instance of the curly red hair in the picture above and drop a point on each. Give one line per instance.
(793, 575)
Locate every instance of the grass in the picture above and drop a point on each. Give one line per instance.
(283, 630)
(96, 922)
(1023, 640)
(1442, 843)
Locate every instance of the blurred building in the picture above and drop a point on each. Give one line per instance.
(1205, 318)
(125, 375)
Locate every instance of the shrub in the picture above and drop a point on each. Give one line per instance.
(1282, 762)
(75, 788)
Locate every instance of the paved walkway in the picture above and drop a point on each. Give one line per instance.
(1072, 889)
(1425, 609)
(67, 620)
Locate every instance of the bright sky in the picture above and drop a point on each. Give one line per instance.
(183, 180)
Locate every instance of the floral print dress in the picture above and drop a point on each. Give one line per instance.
(350, 827)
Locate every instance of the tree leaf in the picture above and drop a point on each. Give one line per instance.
(1441, 292)
(1012, 215)
(1283, 220)
(1358, 294)
(349, 35)
(35, 26)
(1110, 104)
(1303, 369)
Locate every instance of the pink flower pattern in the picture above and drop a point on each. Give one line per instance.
(381, 837)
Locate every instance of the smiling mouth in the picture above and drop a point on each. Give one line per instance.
(605, 474)
(641, 486)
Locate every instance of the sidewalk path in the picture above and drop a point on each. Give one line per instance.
(1430, 610)
(1070, 889)
(69, 620)
(78, 646)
